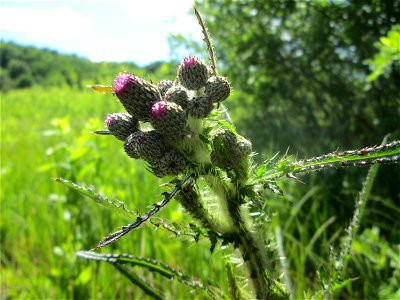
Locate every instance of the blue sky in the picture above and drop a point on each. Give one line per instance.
(101, 30)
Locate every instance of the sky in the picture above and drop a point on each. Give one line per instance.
(100, 30)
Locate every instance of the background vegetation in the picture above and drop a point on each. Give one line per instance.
(313, 76)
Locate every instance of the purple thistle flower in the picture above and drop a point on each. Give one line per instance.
(189, 61)
(136, 95)
(158, 109)
(169, 119)
(192, 73)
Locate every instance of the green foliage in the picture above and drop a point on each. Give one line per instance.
(300, 68)
(388, 56)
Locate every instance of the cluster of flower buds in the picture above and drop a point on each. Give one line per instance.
(229, 153)
(168, 106)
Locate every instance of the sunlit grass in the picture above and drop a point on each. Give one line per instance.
(46, 134)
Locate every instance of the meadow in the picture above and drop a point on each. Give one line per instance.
(46, 134)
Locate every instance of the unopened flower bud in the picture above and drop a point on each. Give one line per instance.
(136, 95)
(171, 164)
(192, 73)
(177, 94)
(244, 148)
(200, 107)
(148, 145)
(163, 86)
(169, 119)
(225, 138)
(121, 125)
(217, 88)
(225, 153)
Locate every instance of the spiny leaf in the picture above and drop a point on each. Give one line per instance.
(113, 237)
(98, 198)
(355, 222)
(274, 187)
(389, 153)
(207, 41)
(149, 264)
(190, 230)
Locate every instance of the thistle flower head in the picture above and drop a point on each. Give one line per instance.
(217, 88)
(158, 109)
(148, 145)
(189, 61)
(225, 138)
(200, 107)
(177, 94)
(120, 81)
(136, 95)
(192, 73)
(163, 86)
(169, 119)
(244, 147)
(121, 125)
(171, 164)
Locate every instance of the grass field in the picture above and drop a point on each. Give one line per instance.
(45, 133)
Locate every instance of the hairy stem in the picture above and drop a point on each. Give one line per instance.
(253, 255)
(240, 236)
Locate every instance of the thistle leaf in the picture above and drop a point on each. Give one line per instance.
(113, 237)
(207, 41)
(389, 153)
(117, 206)
(152, 265)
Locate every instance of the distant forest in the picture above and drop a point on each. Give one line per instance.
(23, 66)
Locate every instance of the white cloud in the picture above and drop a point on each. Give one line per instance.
(59, 23)
(155, 11)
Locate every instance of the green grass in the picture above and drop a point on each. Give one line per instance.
(44, 135)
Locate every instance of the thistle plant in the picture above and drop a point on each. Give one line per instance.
(180, 128)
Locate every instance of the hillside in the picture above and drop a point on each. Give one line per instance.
(23, 66)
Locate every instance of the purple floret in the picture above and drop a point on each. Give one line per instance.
(158, 109)
(120, 81)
